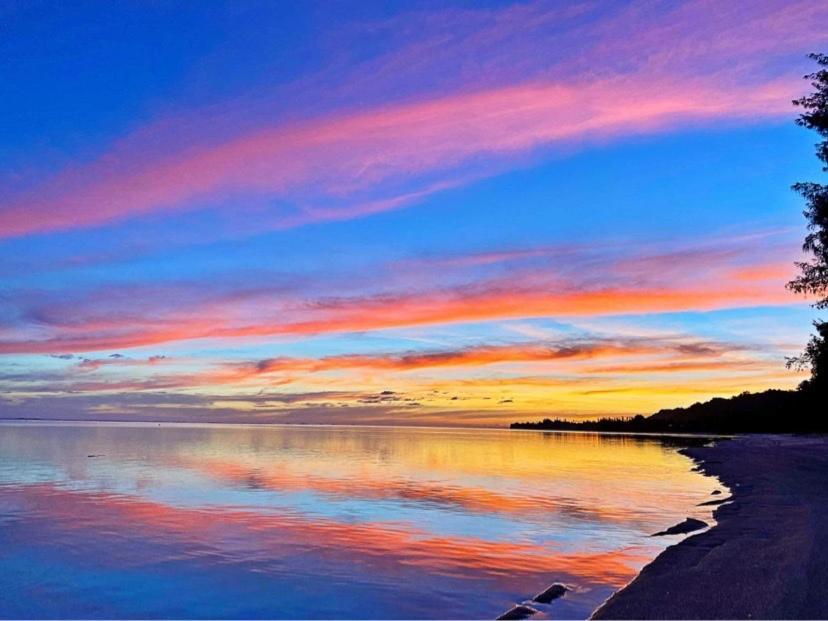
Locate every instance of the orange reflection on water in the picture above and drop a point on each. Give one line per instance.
(477, 470)
(244, 535)
(278, 477)
(414, 515)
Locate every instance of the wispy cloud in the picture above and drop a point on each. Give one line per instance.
(93, 364)
(478, 356)
(567, 283)
(331, 166)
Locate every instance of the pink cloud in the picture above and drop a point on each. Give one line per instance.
(498, 300)
(351, 162)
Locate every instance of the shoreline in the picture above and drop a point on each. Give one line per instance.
(155, 423)
(765, 558)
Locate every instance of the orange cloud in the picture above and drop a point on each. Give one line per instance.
(633, 368)
(439, 308)
(474, 356)
(779, 272)
(483, 303)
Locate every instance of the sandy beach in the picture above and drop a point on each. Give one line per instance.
(766, 556)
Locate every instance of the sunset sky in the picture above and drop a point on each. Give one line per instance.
(435, 213)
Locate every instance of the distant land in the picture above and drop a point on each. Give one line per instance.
(771, 411)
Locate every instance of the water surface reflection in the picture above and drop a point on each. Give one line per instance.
(185, 521)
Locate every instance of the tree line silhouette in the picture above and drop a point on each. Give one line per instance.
(771, 411)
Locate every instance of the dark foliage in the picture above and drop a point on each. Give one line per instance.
(815, 357)
(772, 411)
(813, 277)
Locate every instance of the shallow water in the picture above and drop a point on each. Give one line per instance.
(212, 521)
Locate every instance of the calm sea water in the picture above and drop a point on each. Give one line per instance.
(184, 521)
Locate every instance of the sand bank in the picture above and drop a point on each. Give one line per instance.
(767, 556)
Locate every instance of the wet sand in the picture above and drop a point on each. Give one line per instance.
(767, 556)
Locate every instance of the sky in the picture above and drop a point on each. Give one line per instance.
(430, 213)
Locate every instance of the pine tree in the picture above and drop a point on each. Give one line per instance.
(813, 277)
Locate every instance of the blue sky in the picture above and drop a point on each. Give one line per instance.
(399, 213)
